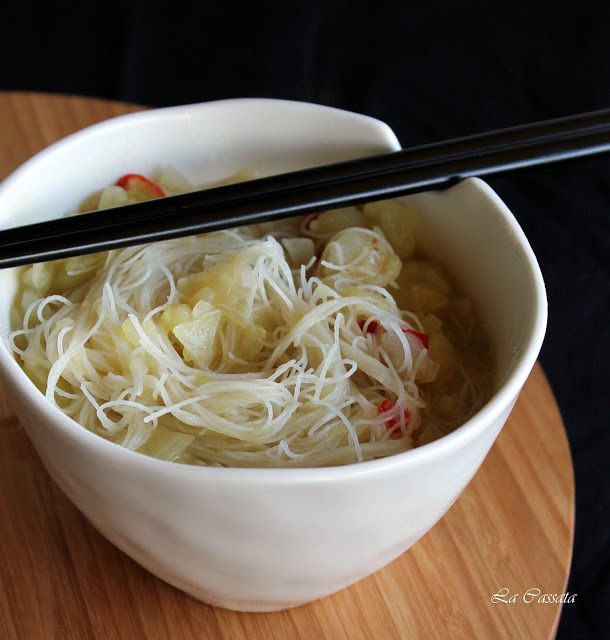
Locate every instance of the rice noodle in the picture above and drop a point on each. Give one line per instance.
(289, 375)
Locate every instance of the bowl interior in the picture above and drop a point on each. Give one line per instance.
(470, 229)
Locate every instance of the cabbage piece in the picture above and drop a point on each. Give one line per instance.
(397, 222)
(113, 196)
(299, 250)
(165, 444)
(198, 335)
(173, 181)
(328, 223)
(423, 287)
(360, 254)
(442, 351)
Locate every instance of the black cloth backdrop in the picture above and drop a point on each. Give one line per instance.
(431, 70)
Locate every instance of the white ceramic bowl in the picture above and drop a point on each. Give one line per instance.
(256, 539)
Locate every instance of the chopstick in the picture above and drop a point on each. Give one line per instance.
(434, 166)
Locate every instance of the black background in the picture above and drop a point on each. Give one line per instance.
(431, 70)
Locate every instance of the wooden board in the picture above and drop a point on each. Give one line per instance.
(511, 529)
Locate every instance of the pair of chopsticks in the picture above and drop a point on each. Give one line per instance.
(433, 166)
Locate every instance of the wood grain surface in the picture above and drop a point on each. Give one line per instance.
(511, 529)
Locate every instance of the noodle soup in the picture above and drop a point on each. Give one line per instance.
(258, 539)
(319, 341)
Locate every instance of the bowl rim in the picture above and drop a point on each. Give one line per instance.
(501, 400)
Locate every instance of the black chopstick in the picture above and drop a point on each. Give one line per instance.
(434, 166)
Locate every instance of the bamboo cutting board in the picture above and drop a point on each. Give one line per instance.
(512, 528)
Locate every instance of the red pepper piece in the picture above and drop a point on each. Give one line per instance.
(393, 424)
(373, 326)
(386, 405)
(423, 337)
(140, 188)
